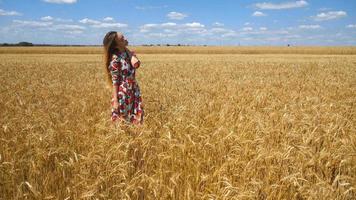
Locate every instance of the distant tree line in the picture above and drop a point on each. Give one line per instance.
(167, 45)
(18, 44)
(27, 44)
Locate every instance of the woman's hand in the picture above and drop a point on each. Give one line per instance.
(135, 61)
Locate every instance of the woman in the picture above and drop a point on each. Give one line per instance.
(120, 66)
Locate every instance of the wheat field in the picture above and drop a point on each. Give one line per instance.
(219, 124)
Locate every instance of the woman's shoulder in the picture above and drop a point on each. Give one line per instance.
(115, 55)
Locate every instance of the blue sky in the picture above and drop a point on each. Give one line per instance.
(211, 22)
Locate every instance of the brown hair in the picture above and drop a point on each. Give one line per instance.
(109, 43)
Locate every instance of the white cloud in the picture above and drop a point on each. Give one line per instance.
(258, 14)
(262, 32)
(223, 32)
(47, 18)
(330, 15)
(193, 28)
(218, 24)
(229, 34)
(74, 32)
(192, 32)
(63, 20)
(32, 23)
(49, 25)
(219, 30)
(170, 27)
(263, 29)
(279, 6)
(281, 32)
(68, 27)
(162, 35)
(310, 27)
(105, 24)
(351, 26)
(150, 25)
(108, 19)
(176, 15)
(194, 25)
(61, 1)
(295, 36)
(9, 13)
(89, 21)
(247, 23)
(247, 29)
(110, 25)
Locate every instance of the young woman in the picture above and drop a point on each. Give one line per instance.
(120, 66)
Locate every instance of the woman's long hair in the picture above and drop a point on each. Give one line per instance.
(109, 43)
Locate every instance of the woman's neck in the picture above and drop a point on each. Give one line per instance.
(121, 49)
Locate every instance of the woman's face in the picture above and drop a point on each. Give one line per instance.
(120, 40)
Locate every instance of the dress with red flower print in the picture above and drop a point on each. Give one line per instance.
(129, 95)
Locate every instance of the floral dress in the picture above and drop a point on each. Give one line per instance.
(129, 95)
